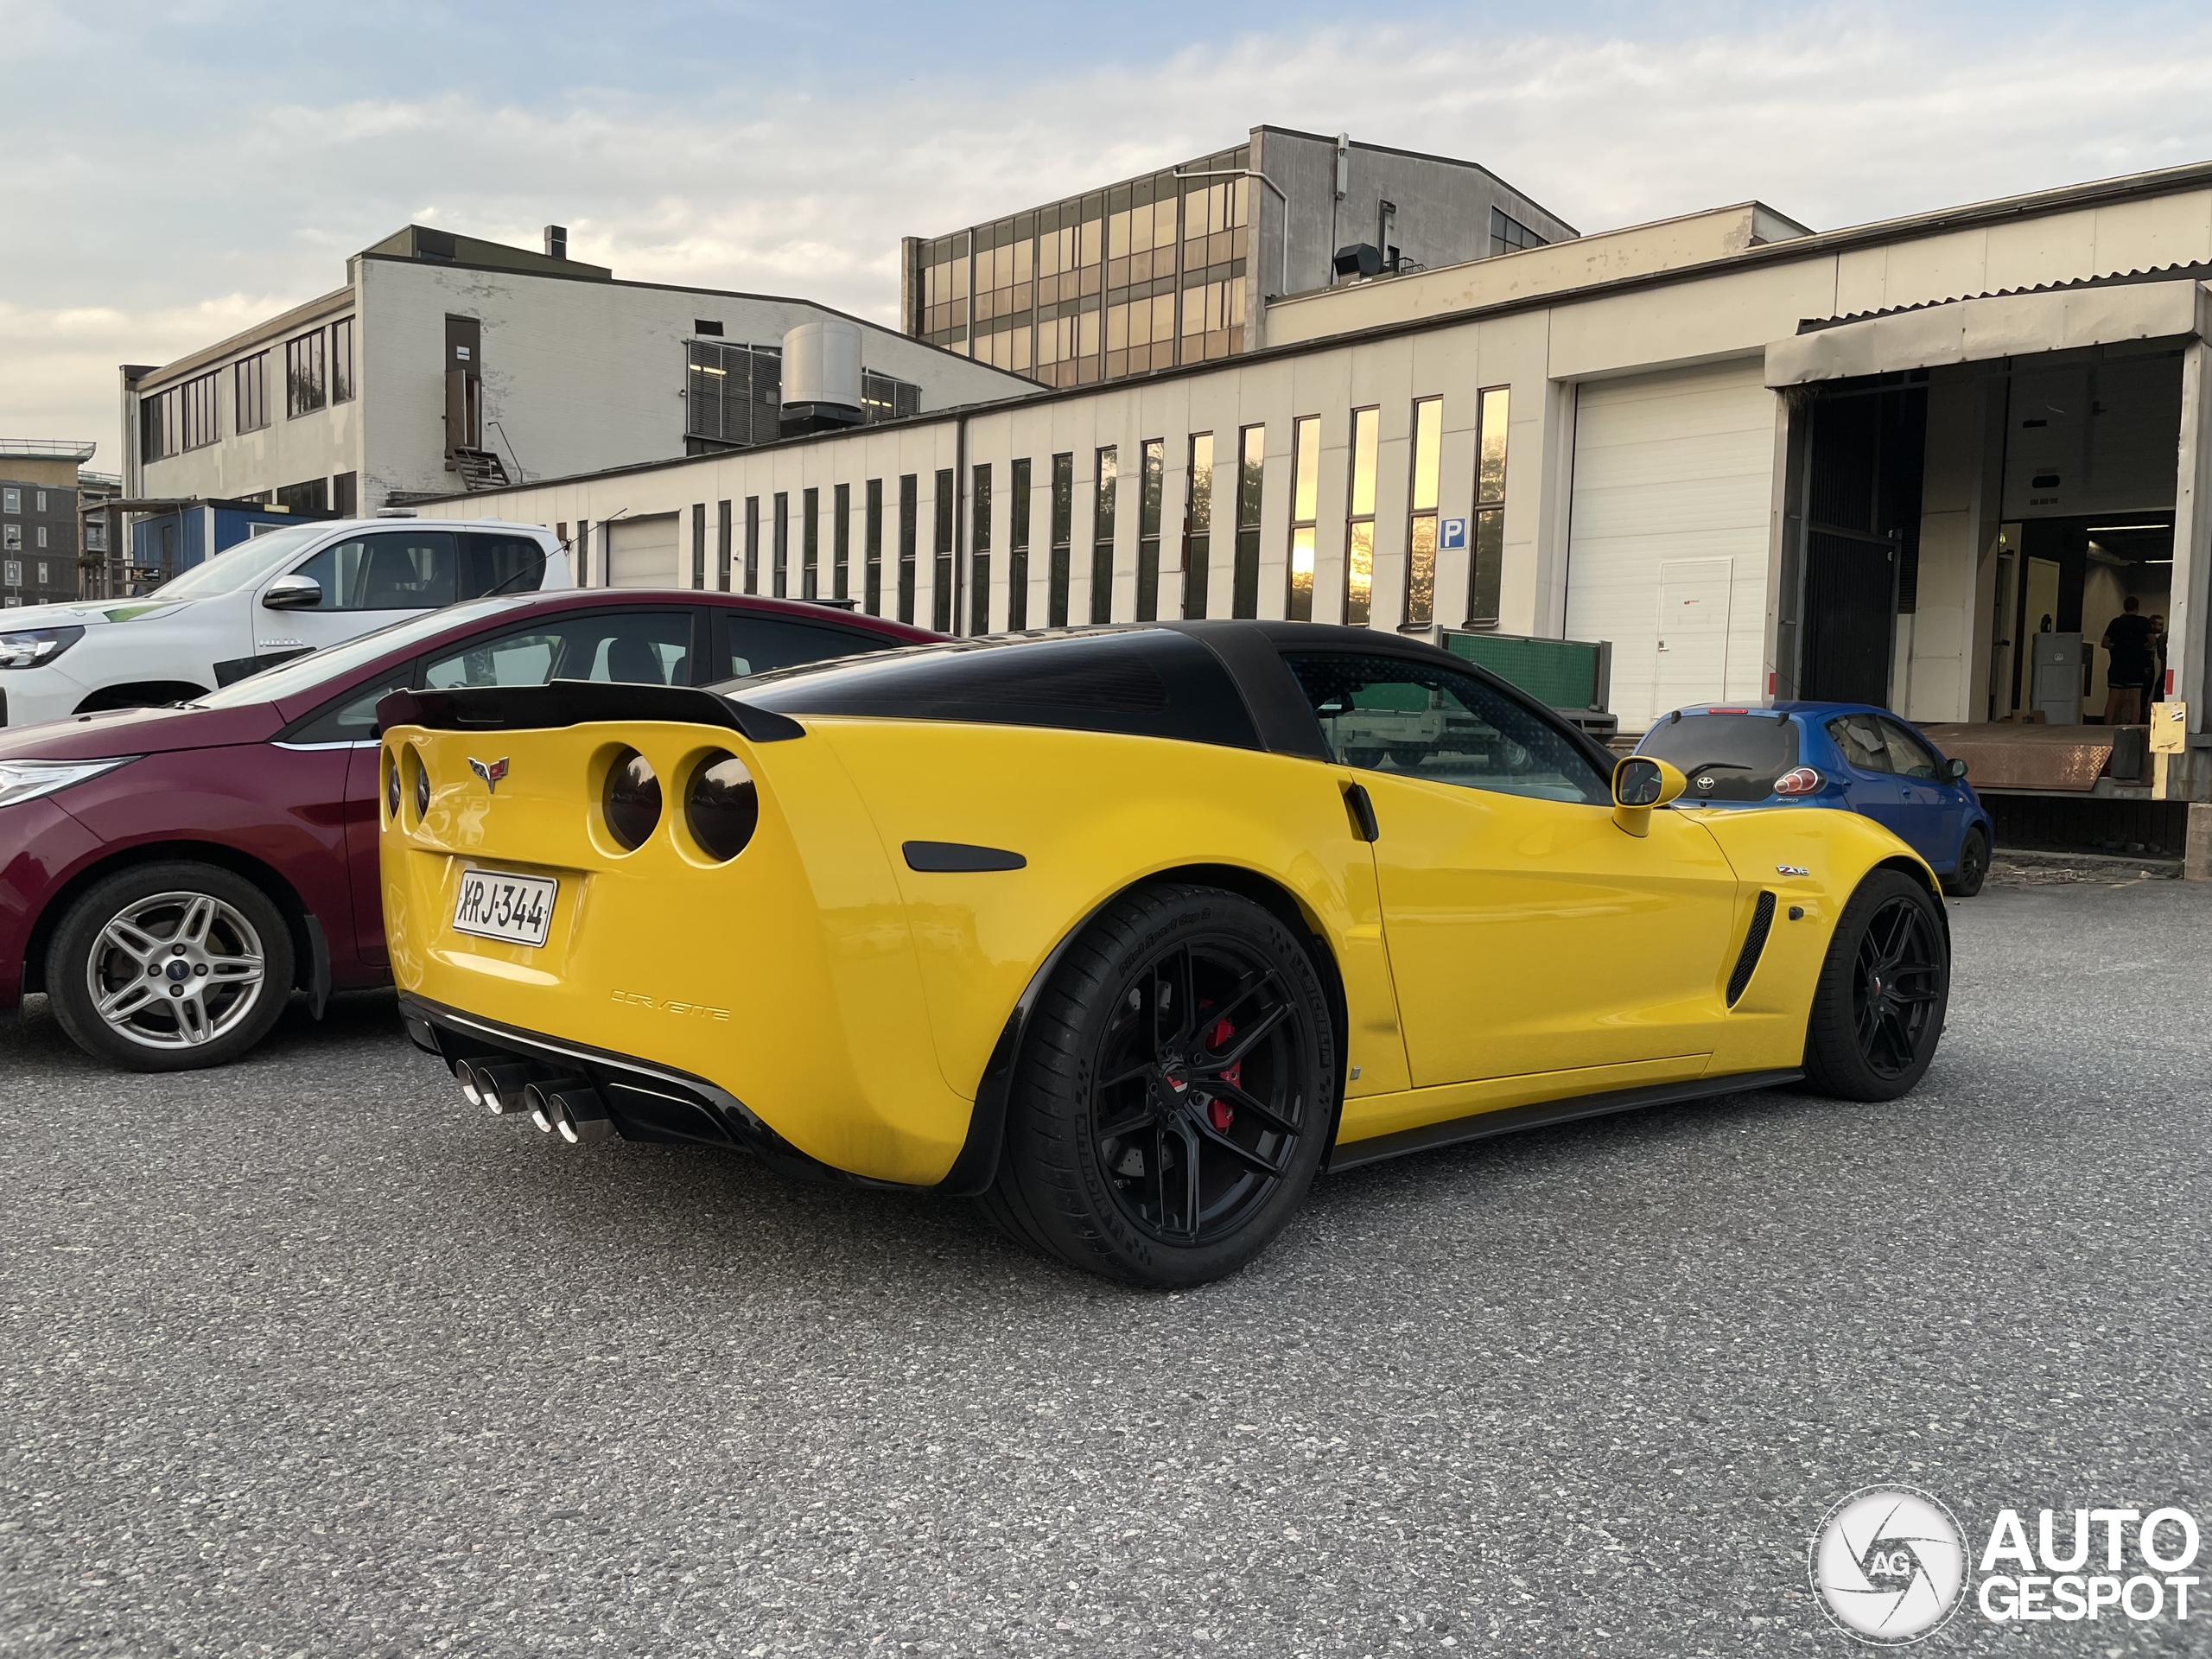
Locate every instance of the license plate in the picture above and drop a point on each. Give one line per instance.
(494, 905)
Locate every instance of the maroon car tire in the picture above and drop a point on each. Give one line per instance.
(170, 967)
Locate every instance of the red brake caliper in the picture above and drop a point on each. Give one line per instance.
(1220, 1112)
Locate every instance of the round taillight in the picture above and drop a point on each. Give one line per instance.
(391, 784)
(1798, 780)
(421, 784)
(633, 799)
(722, 808)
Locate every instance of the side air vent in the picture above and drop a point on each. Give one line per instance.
(1754, 945)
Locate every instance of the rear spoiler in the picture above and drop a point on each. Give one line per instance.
(578, 702)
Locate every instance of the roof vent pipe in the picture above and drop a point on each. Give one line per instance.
(557, 241)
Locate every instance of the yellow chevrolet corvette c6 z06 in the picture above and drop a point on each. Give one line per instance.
(1128, 932)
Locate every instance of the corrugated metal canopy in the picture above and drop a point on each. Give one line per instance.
(1977, 330)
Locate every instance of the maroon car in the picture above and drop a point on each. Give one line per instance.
(168, 876)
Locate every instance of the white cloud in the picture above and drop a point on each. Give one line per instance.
(1834, 119)
(60, 380)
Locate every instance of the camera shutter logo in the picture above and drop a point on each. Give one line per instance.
(1888, 1564)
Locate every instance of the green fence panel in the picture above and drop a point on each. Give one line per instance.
(1562, 673)
(1413, 698)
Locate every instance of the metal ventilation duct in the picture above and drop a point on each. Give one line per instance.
(822, 374)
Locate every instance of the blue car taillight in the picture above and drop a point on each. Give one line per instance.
(1798, 780)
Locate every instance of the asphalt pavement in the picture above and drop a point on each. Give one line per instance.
(305, 1357)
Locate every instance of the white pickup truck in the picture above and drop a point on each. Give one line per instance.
(276, 597)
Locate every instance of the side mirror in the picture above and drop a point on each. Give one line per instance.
(1640, 783)
(1957, 768)
(292, 592)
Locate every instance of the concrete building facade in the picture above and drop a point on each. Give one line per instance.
(447, 362)
(1179, 266)
(1759, 461)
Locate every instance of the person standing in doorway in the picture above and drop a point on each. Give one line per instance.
(2127, 668)
(2155, 689)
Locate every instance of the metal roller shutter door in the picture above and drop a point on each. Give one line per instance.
(1674, 488)
(645, 553)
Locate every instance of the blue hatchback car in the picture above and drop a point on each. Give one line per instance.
(1850, 755)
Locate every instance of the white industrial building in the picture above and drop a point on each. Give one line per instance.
(446, 362)
(1759, 461)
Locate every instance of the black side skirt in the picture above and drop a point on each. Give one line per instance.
(1350, 1154)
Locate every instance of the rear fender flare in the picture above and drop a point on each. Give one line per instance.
(1920, 873)
(977, 1167)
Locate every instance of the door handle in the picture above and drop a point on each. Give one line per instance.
(1362, 811)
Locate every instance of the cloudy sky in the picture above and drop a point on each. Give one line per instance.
(169, 173)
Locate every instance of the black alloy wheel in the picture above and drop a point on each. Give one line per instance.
(1189, 1148)
(1894, 986)
(1174, 1097)
(1877, 1009)
(1973, 866)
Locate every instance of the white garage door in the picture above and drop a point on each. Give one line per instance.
(1674, 487)
(644, 555)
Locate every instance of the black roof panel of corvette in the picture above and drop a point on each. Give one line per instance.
(1144, 682)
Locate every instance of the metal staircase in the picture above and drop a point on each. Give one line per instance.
(479, 469)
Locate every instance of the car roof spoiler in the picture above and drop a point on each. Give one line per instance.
(578, 702)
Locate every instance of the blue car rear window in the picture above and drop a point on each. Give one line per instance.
(1742, 754)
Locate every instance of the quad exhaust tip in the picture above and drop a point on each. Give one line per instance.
(542, 1101)
(569, 1108)
(498, 1089)
(578, 1116)
(558, 1104)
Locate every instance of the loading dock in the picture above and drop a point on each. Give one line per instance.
(1975, 491)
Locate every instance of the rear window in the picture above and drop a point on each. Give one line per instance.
(1146, 683)
(752, 644)
(500, 564)
(1726, 757)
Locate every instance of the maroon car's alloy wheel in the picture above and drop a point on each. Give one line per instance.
(176, 970)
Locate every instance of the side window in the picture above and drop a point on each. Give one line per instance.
(1388, 714)
(351, 717)
(334, 569)
(636, 647)
(500, 564)
(1861, 740)
(390, 571)
(753, 643)
(1909, 755)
